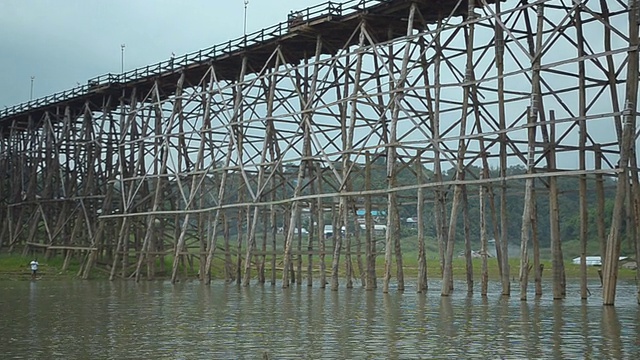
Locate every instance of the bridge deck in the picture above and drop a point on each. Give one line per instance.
(333, 21)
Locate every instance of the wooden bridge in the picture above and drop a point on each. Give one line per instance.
(200, 159)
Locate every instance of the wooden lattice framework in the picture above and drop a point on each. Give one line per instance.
(245, 137)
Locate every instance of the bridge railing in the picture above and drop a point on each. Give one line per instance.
(295, 18)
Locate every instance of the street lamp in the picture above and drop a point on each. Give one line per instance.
(122, 46)
(31, 92)
(246, 3)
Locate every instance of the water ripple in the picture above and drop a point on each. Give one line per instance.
(221, 321)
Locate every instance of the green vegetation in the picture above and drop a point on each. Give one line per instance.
(15, 267)
(568, 197)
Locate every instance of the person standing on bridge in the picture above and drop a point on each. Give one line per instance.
(34, 268)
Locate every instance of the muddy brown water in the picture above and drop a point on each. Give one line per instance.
(157, 320)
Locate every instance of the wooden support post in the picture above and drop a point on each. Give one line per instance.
(582, 124)
(467, 240)
(527, 212)
(240, 224)
(501, 242)
(219, 218)
(554, 219)
(610, 266)
(459, 187)
(537, 266)
(370, 282)
(600, 201)
(484, 285)
(262, 262)
(228, 260)
(422, 253)
(298, 216)
(440, 193)
(290, 230)
(312, 224)
(321, 234)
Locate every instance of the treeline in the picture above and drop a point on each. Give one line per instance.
(569, 197)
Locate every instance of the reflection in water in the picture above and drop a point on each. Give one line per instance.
(391, 317)
(612, 346)
(526, 328)
(585, 330)
(557, 326)
(189, 320)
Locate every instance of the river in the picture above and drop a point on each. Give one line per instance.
(157, 320)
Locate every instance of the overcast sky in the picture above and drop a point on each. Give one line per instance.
(65, 42)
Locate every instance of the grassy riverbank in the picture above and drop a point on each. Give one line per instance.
(16, 267)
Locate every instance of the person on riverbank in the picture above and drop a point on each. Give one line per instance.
(34, 268)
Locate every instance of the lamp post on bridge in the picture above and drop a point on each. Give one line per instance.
(122, 46)
(246, 3)
(31, 91)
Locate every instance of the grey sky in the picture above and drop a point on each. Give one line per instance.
(65, 42)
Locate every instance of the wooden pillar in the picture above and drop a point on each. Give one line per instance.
(321, 236)
(125, 165)
(422, 253)
(610, 266)
(393, 219)
(240, 216)
(582, 124)
(501, 240)
(467, 240)
(554, 219)
(228, 260)
(600, 201)
(311, 236)
(357, 235)
(370, 282)
(298, 216)
(219, 218)
(527, 212)
(459, 187)
(440, 209)
(484, 284)
(263, 256)
(535, 243)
